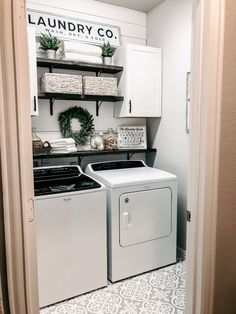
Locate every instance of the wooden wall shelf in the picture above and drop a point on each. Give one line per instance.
(46, 154)
(81, 66)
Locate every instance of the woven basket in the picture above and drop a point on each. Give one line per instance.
(100, 85)
(61, 83)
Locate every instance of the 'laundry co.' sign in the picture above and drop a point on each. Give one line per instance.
(72, 29)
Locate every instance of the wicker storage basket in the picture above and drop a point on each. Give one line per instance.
(61, 83)
(100, 85)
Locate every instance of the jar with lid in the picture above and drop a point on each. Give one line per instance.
(110, 139)
(96, 141)
(36, 140)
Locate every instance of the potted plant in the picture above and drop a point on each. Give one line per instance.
(49, 44)
(107, 53)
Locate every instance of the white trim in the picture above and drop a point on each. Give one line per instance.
(207, 63)
(16, 161)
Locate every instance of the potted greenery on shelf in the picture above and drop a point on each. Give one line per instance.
(107, 53)
(49, 44)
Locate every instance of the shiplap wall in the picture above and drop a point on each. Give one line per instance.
(133, 30)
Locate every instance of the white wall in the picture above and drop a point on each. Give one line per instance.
(133, 30)
(169, 27)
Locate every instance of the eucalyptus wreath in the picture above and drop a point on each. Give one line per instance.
(86, 124)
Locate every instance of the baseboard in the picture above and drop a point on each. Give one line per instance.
(181, 254)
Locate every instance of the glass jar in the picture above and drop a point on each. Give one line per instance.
(96, 141)
(36, 140)
(110, 139)
(85, 146)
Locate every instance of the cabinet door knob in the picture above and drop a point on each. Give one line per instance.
(130, 106)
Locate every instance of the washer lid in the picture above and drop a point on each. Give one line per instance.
(62, 179)
(131, 176)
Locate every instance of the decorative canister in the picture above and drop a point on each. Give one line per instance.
(96, 141)
(36, 140)
(110, 139)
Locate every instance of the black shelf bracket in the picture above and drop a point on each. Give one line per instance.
(129, 155)
(51, 68)
(98, 105)
(80, 158)
(51, 101)
(98, 73)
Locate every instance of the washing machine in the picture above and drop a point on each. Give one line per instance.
(141, 216)
(70, 210)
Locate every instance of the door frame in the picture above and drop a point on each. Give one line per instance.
(16, 160)
(207, 60)
(207, 75)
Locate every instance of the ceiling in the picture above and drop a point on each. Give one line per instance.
(139, 5)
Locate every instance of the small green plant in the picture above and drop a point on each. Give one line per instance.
(48, 42)
(108, 50)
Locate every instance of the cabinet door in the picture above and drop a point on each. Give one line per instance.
(144, 75)
(33, 71)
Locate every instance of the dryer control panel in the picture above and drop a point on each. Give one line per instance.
(116, 165)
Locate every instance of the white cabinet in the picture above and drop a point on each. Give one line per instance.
(140, 82)
(33, 71)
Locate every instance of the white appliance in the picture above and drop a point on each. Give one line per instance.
(71, 233)
(142, 209)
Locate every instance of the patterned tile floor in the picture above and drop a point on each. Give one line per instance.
(158, 292)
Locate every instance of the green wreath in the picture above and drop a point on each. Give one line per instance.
(86, 123)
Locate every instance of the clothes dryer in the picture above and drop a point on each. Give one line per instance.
(141, 212)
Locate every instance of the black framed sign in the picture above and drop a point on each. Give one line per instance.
(68, 28)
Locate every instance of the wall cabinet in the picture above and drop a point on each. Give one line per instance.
(32, 71)
(140, 82)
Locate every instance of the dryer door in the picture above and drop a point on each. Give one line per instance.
(145, 216)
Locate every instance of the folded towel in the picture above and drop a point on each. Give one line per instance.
(81, 57)
(58, 147)
(77, 47)
(63, 141)
(64, 151)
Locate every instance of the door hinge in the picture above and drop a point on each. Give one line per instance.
(30, 212)
(188, 216)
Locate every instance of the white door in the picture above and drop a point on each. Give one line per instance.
(144, 75)
(145, 216)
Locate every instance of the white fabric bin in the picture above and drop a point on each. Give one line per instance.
(61, 83)
(100, 85)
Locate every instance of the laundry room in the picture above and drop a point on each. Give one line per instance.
(109, 102)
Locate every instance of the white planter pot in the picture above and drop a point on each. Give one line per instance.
(50, 54)
(107, 60)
